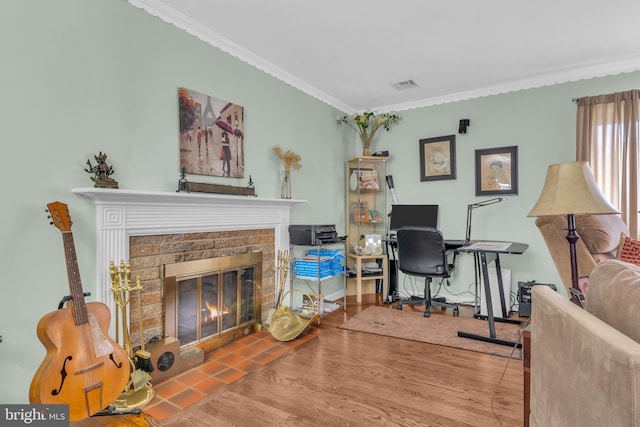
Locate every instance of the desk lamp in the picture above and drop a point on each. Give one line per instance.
(570, 189)
(473, 206)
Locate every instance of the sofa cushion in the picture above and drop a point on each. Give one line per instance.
(629, 250)
(601, 233)
(614, 296)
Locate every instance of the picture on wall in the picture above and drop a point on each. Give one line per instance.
(497, 171)
(211, 135)
(438, 158)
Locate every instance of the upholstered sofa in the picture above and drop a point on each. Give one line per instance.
(585, 363)
(599, 240)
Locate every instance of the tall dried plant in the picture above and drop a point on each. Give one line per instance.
(289, 159)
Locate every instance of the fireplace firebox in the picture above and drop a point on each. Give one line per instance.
(211, 302)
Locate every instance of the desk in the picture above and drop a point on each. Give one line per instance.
(489, 251)
(391, 293)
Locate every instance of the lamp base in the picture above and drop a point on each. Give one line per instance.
(572, 237)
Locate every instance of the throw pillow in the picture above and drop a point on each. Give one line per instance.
(601, 233)
(629, 250)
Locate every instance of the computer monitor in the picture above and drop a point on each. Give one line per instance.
(413, 215)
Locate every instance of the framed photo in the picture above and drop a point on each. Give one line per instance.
(211, 135)
(438, 158)
(497, 171)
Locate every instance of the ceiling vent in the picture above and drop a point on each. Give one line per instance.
(405, 84)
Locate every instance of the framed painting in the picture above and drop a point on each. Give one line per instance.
(211, 135)
(438, 158)
(497, 171)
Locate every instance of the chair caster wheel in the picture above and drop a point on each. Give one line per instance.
(399, 307)
(456, 312)
(426, 314)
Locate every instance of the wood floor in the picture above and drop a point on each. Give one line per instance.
(347, 378)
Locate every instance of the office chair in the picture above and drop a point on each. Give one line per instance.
(422, 252)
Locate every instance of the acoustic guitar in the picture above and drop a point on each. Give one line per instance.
(83, 367)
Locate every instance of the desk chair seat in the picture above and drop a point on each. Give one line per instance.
(422, 252)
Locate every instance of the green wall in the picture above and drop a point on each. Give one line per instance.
(83, 76)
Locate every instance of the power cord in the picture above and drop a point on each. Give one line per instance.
(504, 372)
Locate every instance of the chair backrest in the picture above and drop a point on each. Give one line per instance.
(599, 239)
(422, 252)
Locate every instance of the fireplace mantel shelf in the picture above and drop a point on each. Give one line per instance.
(121, 196)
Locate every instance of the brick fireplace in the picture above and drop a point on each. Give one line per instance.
(155, 259)
(151, 229)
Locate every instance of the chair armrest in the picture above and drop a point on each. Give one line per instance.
(583, 371)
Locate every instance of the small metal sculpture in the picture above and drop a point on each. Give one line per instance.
(183, 182)
(102, 172)
(251, 186)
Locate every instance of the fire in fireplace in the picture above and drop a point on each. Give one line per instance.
(211, 302)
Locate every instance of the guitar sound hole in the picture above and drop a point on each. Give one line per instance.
(63, 375)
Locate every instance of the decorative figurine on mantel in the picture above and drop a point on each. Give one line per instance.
(183, 183)
(102, 172)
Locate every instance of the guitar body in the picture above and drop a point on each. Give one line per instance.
(83, 367)
(78, 371)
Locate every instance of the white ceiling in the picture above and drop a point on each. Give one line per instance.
(348, 53)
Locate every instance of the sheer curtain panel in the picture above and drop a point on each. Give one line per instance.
(607, 136)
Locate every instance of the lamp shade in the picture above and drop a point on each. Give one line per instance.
(570, 188)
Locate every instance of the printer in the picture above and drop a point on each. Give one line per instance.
(312, 235)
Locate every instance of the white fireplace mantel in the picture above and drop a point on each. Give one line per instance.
(124, 213)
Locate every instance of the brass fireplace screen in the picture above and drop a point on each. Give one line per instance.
(206, 299)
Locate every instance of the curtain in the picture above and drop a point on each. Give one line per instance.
(607, 136)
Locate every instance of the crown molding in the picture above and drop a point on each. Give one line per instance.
(621, 66)
(587, 71)
(183, 22)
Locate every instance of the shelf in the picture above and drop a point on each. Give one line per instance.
(315, 279)
(366, 217)
(328, 308)
(371, 256)
(367, 277)
(313, 261)
(328, 247)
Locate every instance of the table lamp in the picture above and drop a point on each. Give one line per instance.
(570, 189)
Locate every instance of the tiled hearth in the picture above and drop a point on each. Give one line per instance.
(220, 368)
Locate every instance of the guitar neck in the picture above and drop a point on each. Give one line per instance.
(75, 284)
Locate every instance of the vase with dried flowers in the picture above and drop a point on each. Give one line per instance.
(289, 160)
(367, 123)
